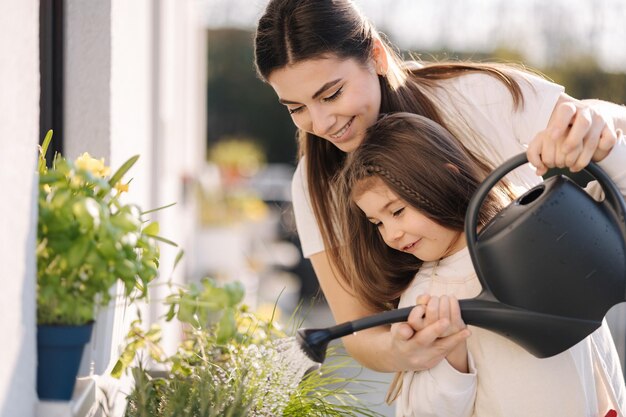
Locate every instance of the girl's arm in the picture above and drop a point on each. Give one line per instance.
(400, 349)
(438, 392)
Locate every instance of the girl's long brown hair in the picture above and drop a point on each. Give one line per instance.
(424, 165)
(292, 31)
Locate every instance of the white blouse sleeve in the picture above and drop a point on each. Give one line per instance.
(615, 167)
(484, 94)
(441, 391)
(308, 229)
(540, 98)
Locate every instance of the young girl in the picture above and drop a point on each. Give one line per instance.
(409, 185)
(335, 74)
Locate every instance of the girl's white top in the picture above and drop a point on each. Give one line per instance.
(504, 379)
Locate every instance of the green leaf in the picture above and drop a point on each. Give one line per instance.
(87, 212)
(171, 313)
(151, 229)
(227, 326)
(115, 178)
(158, 208)
(43, 151)
(127, 357)
(77, 252)
(164, 240)
(179, 256)
(235, 292)
(50, 177)
(186, 312)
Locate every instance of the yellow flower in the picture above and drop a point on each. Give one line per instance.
(121, 188)
(95, 166)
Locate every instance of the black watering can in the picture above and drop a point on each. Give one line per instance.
(551, 265)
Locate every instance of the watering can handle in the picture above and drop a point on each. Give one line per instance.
(611, 192)
(473, 311)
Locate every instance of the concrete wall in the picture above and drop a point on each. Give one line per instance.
(19, 131)
(134, 84)
(179, 93)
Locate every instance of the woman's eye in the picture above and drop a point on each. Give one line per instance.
(335, 95)
(295, 110)
(398, 212)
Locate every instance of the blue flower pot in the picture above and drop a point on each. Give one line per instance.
(59, 352)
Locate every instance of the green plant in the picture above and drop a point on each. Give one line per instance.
(88, 239)
(231, 363)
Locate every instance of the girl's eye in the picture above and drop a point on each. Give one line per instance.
(377, 224)
(398, 212)
(335, 95)
(295, 110)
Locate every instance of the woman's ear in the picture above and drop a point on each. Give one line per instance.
(452, 167)
(379, 55)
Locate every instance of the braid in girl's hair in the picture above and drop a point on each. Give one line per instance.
(378, 170)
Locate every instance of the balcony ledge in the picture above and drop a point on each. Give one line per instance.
(82, 404)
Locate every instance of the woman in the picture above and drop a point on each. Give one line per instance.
(335, 75)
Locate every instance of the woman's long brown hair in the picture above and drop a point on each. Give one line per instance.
(292, 31)
(424, 165)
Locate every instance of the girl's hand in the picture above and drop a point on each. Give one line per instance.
(433, 331)
(576, 134)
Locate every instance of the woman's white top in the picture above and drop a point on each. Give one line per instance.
(487, 107)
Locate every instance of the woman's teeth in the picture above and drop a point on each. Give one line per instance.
(343, 130)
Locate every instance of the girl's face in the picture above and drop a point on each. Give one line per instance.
(331, 98)
(406, 229)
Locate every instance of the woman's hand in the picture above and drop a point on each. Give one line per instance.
(433, 331)
(576, 134)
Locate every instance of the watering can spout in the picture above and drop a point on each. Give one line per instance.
(542, 335)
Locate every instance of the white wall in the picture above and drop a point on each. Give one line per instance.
(179, 145)
(87, 111)
(135, 85)
(19, 131)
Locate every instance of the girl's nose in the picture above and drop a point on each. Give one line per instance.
(394, 233)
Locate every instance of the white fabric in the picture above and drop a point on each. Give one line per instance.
(487, 107)
(505, 380)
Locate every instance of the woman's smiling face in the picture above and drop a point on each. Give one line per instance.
(335, 99)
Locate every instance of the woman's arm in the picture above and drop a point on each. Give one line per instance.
(401, 347)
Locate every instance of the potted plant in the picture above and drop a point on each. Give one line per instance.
(87, 240)
(232, 362)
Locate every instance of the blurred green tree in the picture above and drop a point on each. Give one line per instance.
(239, 104)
